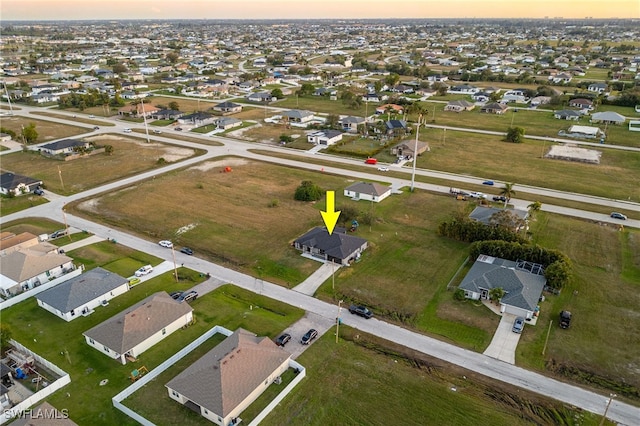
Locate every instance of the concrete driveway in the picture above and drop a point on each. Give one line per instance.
(300, 327)
(504, 342)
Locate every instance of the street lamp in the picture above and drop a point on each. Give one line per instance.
(338, 320)
(604, 416)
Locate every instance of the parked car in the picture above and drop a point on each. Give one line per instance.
(178, 129)
(371, 161)
(127, 130)
(309, 336)
(188, 296)
(134, 281)
(146, 269)
(617, 215)
(58, 234)
(175, 295)
(488, 182)
(477, 195)
(91, 116)
(565, 319)
(360, 310)
(283, 339)
(166, 243)
(157, 132)
(518, 325)
(38, 191)
(500, 198)
(96, 128)
(186, 250)
(383, 169)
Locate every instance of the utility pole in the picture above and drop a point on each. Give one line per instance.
(175, 267)
(606, 410)
(60, 175)
(547, 338)
(415, 153)
(338, 320)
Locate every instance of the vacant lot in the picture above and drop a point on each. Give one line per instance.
(130, 156)
(47, 130)
(488, 156)
(15, 204)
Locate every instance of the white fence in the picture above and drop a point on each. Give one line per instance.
(36, 290)
(302, 372)
(117, 400)
(64, 380)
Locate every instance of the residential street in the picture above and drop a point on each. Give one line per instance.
(499, 370)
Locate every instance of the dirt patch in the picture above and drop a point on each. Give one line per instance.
(90, 206)
(170, 153)
(573, 153)
(228, 162)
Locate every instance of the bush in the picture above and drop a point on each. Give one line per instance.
(464, 229)
(308, 191)
(515, 135)
(286, 138)
(459, 294)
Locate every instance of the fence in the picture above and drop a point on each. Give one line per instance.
(64, 380)
(36, 290)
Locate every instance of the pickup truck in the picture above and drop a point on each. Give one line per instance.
(565, 319)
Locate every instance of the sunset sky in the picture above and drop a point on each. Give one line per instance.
(300, 9)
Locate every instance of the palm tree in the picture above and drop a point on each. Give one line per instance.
(508, 192)
(534, 208)
(496, 293)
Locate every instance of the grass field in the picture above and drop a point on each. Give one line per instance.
(63, 344)
(16, 204)
(130, 157)
(80, 119)
(47, 130)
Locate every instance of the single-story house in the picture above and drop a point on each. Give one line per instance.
(198, 118)
(298, 115)
(139, 327)
(228, 107)
(409, 149)
(339, 247)
(80, 295)
(464, 88)
(369, 191)
(65, 146)
(221, 384)
(264, 97)
(540, 100)
(481, 96)
(567, 114)
(597, 87)
(167, 114)
(228, 123)
(26, 268)
(608, 117)
(10, 242)
(515, 95)
(584, 131)
(514, 219)
(138, 110)
(459, 105)
(324, 137)
(393, 108)
(350, 124)
(494, 108)
(522, 287)
(583, 104)
(17, 184)
(374, 97)
(396, 127)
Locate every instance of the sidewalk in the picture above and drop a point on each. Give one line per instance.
(87, 241)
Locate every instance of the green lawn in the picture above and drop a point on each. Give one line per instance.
(62, 343)
(116, 258)
(10, 205)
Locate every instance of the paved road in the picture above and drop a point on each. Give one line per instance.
(588, 400)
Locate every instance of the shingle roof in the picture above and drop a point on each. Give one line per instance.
(82, 289)
(484, 214)
(63, 144)
(338, 245)
(370, 188)
(568, 113)
(11, 181)
(225, 376)
(608, 116)
(227, 104)
(26, 263)
(127, 329)
(297, 113)
(523, 289)
(44, 414)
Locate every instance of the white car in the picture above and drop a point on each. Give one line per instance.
(477, 195)
(166, 243)
(147, 269)
(383, 169)
(127, 130)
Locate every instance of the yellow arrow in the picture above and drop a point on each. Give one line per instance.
(330, 217)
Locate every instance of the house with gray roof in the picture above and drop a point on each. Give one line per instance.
(459, 105)
(514, 219)
(80, 295)
(228, 123)
(567, 114)
(17, 184)
(63, 147)
(339, 247)
(264, 97)
(139, 327)
(608, 117)
(324, 137)
(369, 191)
(298, 115)
(228, 107)
(350, 124)
(227, 379)
(523, 286)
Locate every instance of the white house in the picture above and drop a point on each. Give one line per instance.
(324, 137)
(350, 124)
(226, 380)
(80, 295)
(369, 191)
(522, 282)
(136, 329)
(298, 115)
(17, 184)
(597, 87)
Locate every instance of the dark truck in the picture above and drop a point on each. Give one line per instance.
(565, 319)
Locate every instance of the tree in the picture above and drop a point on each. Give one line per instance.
(308, 191)
(332, 121)
(534, 208)
(497, 293)
(172, 57)
(29, 133)
(508, 191)
(277, 93)
(119, 68)
(108, 149)
(174, 106)
(286, 138)
(515, 134)
(306, 89)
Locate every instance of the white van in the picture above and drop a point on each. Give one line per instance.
(147, 269)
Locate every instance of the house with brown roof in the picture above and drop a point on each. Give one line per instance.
(494, 108)
(369, 191)
(459, 105)
(409, 149)
(139, 327)
(44, 414)
(138, 110)
(227, 379)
